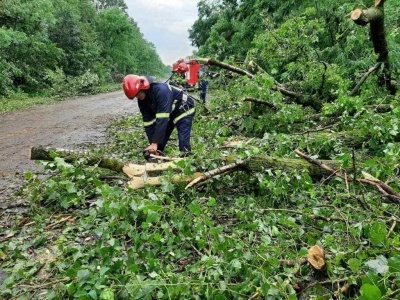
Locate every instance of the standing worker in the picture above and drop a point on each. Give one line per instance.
(162, 107)
(203, 83)
(203, 73)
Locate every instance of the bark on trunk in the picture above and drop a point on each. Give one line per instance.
(375, 17)
(44, 153)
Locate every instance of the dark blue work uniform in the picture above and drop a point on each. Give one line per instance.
(163, 108)
(203, 74)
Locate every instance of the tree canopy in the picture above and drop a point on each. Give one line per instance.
(46, 42)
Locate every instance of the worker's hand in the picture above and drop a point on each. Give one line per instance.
(152, 147)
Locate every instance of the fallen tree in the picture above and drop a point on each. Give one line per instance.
(92, 159)
(138, 173)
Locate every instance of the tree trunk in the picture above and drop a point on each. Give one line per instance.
(45, 153)
(375, 17)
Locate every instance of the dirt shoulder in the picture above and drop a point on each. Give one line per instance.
(67, 124)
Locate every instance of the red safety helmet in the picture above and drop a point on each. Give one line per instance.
(182, 68)
(133, 84)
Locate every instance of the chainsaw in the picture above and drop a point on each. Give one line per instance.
(150, 155)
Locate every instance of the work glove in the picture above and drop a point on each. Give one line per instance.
(147, 155)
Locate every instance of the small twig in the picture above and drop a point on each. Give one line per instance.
(197, 251)
(38, 287)
(315, 130)
(347, 183)
(212, 173)
(255, 296)
(11, 235)
(322, 283)
(391, 229)
(324, 75)
(354, 165)
(58, 222)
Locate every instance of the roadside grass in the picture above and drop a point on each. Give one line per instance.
(19, 101)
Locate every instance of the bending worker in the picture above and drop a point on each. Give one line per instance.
(162, 107)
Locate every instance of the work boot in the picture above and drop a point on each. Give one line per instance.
(185, 154)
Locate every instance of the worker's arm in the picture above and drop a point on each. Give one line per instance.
(163, 98)
(149, 119)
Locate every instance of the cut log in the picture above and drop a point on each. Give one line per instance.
(316, 258)
(133, 170)
(140, 182)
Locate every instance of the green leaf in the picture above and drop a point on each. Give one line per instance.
(93, 294)
(377, 233)
(370, 292)
(107, 294)
(236, 264)
(195, 208)
(153, 274)
(394, 264)
(83, 275)
(265, 288)
(378, 265)
(354, 264)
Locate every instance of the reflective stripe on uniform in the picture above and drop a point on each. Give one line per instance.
(174, 104)
(149, 123)
(176, 88)
(185, 114)
(162, 115)
(169, 87)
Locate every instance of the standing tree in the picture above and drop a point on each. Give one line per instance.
(375, 17)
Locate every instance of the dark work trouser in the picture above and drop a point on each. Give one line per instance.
(203, 86)
(184, 127)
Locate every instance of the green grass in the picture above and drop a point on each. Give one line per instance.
(19, 101)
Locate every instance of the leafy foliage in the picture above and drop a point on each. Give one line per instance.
(73, 38)
(240, 235)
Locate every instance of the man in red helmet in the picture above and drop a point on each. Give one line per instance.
(163, 108)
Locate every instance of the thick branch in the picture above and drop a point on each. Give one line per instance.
(131, 170)
(381, 186)
(258, 101)
(359, 84)
(225, 66)
(261, 163)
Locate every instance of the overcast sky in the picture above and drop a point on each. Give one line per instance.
(165, 23)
